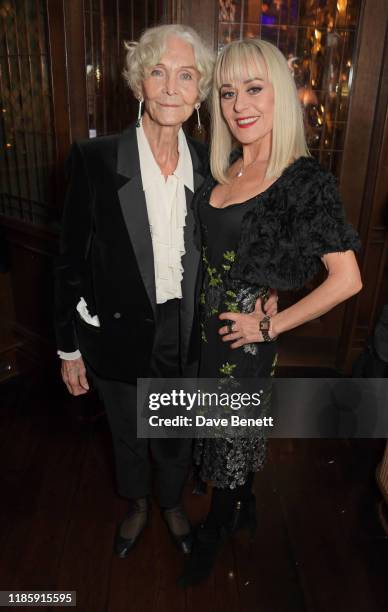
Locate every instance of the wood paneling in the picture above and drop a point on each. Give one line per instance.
(66, 26)
(31, 289)
(364, 178)
(201, 15)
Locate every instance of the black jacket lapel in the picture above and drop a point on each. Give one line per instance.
(191, 259)
(134, 209)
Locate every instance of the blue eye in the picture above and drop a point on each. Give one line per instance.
(255, 90)
(186, 76)
(227, 95)
(156, 72)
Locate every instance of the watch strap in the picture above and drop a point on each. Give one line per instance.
(264, 326)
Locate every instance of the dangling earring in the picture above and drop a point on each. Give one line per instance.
(139, 113)
(199, 125)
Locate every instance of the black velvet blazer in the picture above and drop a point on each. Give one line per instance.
(106, 256)
(294, 223)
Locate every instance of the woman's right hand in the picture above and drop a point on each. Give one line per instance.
(74, 376)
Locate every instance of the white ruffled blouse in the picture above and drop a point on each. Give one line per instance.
(166, 208)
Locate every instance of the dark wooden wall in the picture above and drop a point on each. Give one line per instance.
(364, 177)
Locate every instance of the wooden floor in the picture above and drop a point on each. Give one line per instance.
(318, 547)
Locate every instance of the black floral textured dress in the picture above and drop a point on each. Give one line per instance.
(277, 240)
(227, 461)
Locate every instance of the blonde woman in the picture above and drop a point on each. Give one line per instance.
(270, 216)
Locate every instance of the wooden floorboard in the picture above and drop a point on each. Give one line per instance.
(268, 574)
(42, 467)
(313, 493)
(318, 545)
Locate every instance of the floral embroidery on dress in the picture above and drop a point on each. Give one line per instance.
(222, 294)
(227, 369)
(227, 460)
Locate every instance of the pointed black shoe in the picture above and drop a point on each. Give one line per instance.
(134, 522)
(176, 520)
(207, 543)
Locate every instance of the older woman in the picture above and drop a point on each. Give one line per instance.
(270, 215)
(128, 265)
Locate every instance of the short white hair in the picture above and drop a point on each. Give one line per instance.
(143, 55)
(288, 137)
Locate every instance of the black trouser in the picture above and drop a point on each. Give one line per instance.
(172, 456)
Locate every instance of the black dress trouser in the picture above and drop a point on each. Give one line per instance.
(172, 457)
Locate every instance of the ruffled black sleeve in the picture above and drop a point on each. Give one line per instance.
(320, 224)
(294, 223)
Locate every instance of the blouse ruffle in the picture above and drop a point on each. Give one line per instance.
(167, 222)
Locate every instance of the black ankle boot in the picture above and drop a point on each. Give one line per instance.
(230, 511)
(244, 516)
(207, 542)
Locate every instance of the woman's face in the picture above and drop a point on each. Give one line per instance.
(248, 106)
(170, 90)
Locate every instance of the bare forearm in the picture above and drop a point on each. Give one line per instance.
(342, 282)
(334, 290)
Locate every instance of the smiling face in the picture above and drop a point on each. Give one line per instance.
(247, 103)
(170, 89)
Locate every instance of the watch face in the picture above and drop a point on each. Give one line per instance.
(264, 325)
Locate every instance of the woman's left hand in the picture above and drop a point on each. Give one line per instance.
(271, 304)
(245, 327)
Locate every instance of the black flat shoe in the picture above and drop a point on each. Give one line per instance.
(133, 523)
(177, 521)
(199, 566)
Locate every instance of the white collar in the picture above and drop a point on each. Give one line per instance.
(150, 169)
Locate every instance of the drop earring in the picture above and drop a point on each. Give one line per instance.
(199, 125)
(139, 113)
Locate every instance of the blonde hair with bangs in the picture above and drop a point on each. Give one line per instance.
(143, 55)
(288, 137)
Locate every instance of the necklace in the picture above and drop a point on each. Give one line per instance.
(242, 169)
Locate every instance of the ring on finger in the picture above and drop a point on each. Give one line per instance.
(230, 327)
